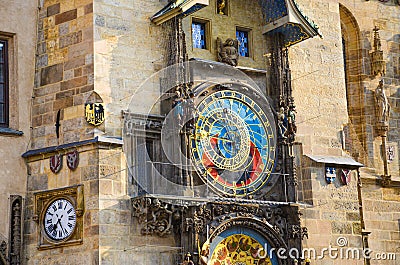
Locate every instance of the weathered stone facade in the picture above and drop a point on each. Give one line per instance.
(14, 139)
(64, 74)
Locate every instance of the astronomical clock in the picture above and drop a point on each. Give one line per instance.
(233, 148)
(231, 203)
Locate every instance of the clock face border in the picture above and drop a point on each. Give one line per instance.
(43, 200)
(264, 118)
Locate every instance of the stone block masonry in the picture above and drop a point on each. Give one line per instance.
(41, 178)
(64, 72)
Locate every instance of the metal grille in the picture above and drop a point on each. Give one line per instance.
(243, 38)
(199, 35)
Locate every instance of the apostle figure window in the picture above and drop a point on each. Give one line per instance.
(3, 84)
(243, 38)
(199, 35)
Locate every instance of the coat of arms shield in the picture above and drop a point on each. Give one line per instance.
(330, 174)
(72, 159)
(345, 177)
(94, 113)
(56, 163)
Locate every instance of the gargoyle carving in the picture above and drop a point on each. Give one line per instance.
(155, 216)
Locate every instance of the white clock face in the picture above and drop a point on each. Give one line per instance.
(60, 219)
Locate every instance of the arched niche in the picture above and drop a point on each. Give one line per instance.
(248, 234)
(356, 67)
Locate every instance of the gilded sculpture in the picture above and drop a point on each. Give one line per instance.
(220, 7)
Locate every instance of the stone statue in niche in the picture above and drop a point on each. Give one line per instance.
(228, 51)
(382, 104)
(177, 106)
(282, 123)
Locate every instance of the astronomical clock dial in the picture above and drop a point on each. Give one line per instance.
(59, 219)
(233, 147)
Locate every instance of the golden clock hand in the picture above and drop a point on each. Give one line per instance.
(204, 134)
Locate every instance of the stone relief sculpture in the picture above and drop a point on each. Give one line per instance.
(382, 104)
(228, 51)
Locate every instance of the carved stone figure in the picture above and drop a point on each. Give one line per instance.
(292, 128)
(3, 252)
(205, 252)
(187, 260)
(228, 51)
(282, 122)
(155, 217)
(382, 104)
(178, 107)
(279, 222)
(190, 110)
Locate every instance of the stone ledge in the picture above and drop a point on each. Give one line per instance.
(61, 148)
(10, 132)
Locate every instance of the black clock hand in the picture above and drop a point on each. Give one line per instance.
(62, 228)
(59, 222)
(54, 227)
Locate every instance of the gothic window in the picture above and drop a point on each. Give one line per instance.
(243, 38)
(3, 84)
(199, 36)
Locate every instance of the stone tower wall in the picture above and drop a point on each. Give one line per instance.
(64, 72)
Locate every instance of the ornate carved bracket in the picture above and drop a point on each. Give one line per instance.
(297, 231)
(208, 217)
(386, 181)
(155, 216)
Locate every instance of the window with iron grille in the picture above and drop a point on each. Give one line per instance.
(3, 84)
(199, 35)
(243, 37)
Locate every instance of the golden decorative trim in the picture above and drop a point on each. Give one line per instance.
(43, 199)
